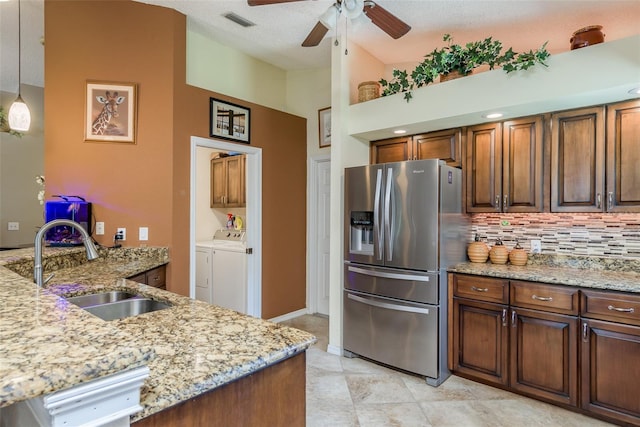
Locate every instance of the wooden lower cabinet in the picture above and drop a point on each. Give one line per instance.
(273, 396)
(544, 355)
(156, 277)
(480, 341)
(611, 370)
(575, 347)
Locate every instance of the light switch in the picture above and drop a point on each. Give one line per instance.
(143, 233)
(99, 228)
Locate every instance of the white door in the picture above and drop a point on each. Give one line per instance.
(323, 179)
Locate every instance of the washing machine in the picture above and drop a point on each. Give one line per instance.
(221, 270)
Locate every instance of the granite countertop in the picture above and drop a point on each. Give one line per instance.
(190, 348)
(588, 272)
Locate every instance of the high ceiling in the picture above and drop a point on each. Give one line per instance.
(280, 29)
(522, 24)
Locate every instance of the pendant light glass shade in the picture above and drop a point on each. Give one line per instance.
(19, 116)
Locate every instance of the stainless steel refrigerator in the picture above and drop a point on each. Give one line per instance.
(403, 226)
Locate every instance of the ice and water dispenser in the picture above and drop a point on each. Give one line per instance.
(361, 231)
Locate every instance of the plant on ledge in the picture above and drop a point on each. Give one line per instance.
(454, 58)
(4, 124)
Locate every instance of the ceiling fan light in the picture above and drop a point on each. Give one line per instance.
(330, 17)
(352, 8)
(19, 116)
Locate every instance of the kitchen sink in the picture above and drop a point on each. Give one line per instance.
(117, 304)
(101, 298)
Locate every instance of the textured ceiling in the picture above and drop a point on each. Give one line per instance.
(522, 24)
(280, 29)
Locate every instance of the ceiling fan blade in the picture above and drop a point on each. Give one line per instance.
(315, 36)
(264, 2)
(385, 20)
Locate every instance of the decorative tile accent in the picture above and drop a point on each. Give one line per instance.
(598, 235)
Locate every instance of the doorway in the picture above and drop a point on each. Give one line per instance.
(319, 218)
(253, 221)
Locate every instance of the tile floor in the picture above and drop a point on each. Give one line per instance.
(343, 392)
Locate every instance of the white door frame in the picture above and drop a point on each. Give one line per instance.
(253, 219)
(312, 231)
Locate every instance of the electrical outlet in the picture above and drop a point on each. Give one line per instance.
(99, 228)
(122, 232)
(13, 226)
(536, 246)
(143, 233)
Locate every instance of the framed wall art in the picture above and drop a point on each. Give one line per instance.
(229, 121)
(324, 126)
(110, 112)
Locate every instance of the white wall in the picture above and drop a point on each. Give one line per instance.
(216, 67)
(21, 160)
(307, 92)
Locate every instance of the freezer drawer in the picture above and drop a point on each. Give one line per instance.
(417, 286)
(400, 334)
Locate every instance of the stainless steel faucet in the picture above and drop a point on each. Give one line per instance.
(92, 252)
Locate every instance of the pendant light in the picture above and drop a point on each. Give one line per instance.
(19, 115)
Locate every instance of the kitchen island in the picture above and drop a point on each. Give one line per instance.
(191, 348)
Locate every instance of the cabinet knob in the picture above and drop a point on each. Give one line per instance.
(599, 201)
(505, 202)
(497, 205)
(610, 201)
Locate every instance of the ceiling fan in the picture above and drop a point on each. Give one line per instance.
(353, 9)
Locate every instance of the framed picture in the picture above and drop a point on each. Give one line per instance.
(324, 126)
(229, 121)
(110, 112)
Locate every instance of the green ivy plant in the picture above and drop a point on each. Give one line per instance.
(461, 59)
(4, 124)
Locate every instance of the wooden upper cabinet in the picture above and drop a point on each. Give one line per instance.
(391, 150)
(577, 160)
(228, 185)
(522, 165)
(484, 168)
(444, 145)
(623, 157)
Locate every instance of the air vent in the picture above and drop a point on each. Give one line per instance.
(238, 19)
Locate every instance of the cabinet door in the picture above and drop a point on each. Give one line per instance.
(235, 181)
(484, 168)
(611, 370)
(444, 145)
(391, 150)
(577, 160)
(218, 182)
(480, 342)
(623, 157)
(522, 165)
(544, 355)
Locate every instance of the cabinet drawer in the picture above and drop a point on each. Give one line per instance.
(559, 299)
(156, 277)
(481, 288)
(613, 306)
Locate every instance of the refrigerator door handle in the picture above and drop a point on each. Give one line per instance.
(387, 215)
(377, 215)
(388, 275)
(389, 306)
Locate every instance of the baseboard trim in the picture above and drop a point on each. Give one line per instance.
(290, 316)
(334, 349)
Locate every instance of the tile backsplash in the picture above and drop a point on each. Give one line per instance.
(602, 235)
